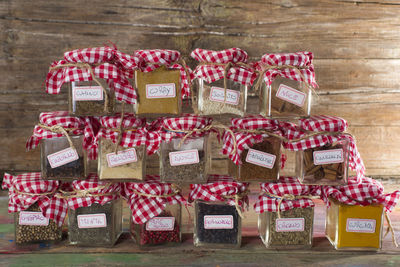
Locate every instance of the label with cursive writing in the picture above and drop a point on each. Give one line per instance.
(328, 156)
(32, 218)
(62, 157)
(121, 158)
(161, 224)
(260, 158)
(163, 90)
(217, 94)
(184, 157)
(218, 222)
(87, 93)
(291, 95)
(360, 225)
(92, 220)
(289, 225)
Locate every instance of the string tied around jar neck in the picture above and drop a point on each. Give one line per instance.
(85, 192)
(34, 194)
(60, 130)
(175, 191)
(237, 197)
(89, 67)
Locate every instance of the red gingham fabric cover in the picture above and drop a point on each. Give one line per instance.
(218, 186)
(153, 59)
(246, 140)
(84, 125)
(212, 73)
(285, 186)
(143, 207)
(115, 67)
(368, 192)
(303, 60)
(329, 124)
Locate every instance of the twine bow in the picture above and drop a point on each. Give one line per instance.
(237, 197)
(60, 130)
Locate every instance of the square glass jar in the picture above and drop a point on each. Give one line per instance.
(188, 162)
(95, 226)
(60, 162)
(354, 227)
(285, 98)
(211, 98)
(262, 162)
(32, 227)
(128, 164)
(293, 230)
(159, 92)
(87, 98)
(216, 225)
(327, 165)
(164, 229)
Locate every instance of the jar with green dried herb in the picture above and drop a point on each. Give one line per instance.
(29, 197)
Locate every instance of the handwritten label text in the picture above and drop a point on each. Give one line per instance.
(165, 90)
(92, 220)
(218, 222)
(184, 157)
(290, 225)
(62, 157)
(122, 158)
(328, 156)
(161, 224)
(217, 94)
(260, 158)
(360, 225)
(32, 218)
(291, 95)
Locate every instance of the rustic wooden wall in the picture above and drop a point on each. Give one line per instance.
(356, 46)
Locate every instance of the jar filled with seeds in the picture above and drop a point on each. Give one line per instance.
(261, 160)
(162, 81)
(285, 84)
(223, 79)
(218, 217)
(26, 191)
(122, 152)
(156, 212)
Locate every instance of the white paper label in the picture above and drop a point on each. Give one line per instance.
(360, 225)
(328, 156)
(87, 93)
(291, 95)
(184, 157)
(290, 225)
(218, 222)
(123, 157)
(92, 220)
(32, 218)
(261, 158)
(217, 94)
(164, 90)
(62, 157)
(161, 224)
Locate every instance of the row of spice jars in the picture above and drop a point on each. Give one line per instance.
(222, 79)
(253, 145)
(286, 212)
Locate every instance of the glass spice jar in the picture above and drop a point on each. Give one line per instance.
(86, 98)
(261, 162)
(285, 98)
(32, 227)
(327, 165)
(293, 230)
(211, 98)
(127, 164)
(159, 91)
(96, 225)
(162, 229)
(216, 225)
(354, 227)
(187, 162)
(61, 162)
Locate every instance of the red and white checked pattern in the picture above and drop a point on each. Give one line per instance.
(245, 140)
(302, 60)
(211, 73)
(30, 183)
(328, 124)
(364, 193)
(285, 186)
(82, 126)
(115, 67)
(145, 207)
(217, 187)
(153, 59)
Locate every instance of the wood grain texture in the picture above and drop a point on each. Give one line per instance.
(357, 57)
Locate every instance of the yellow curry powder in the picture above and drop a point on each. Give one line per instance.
(159, 91)
(354, 227)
